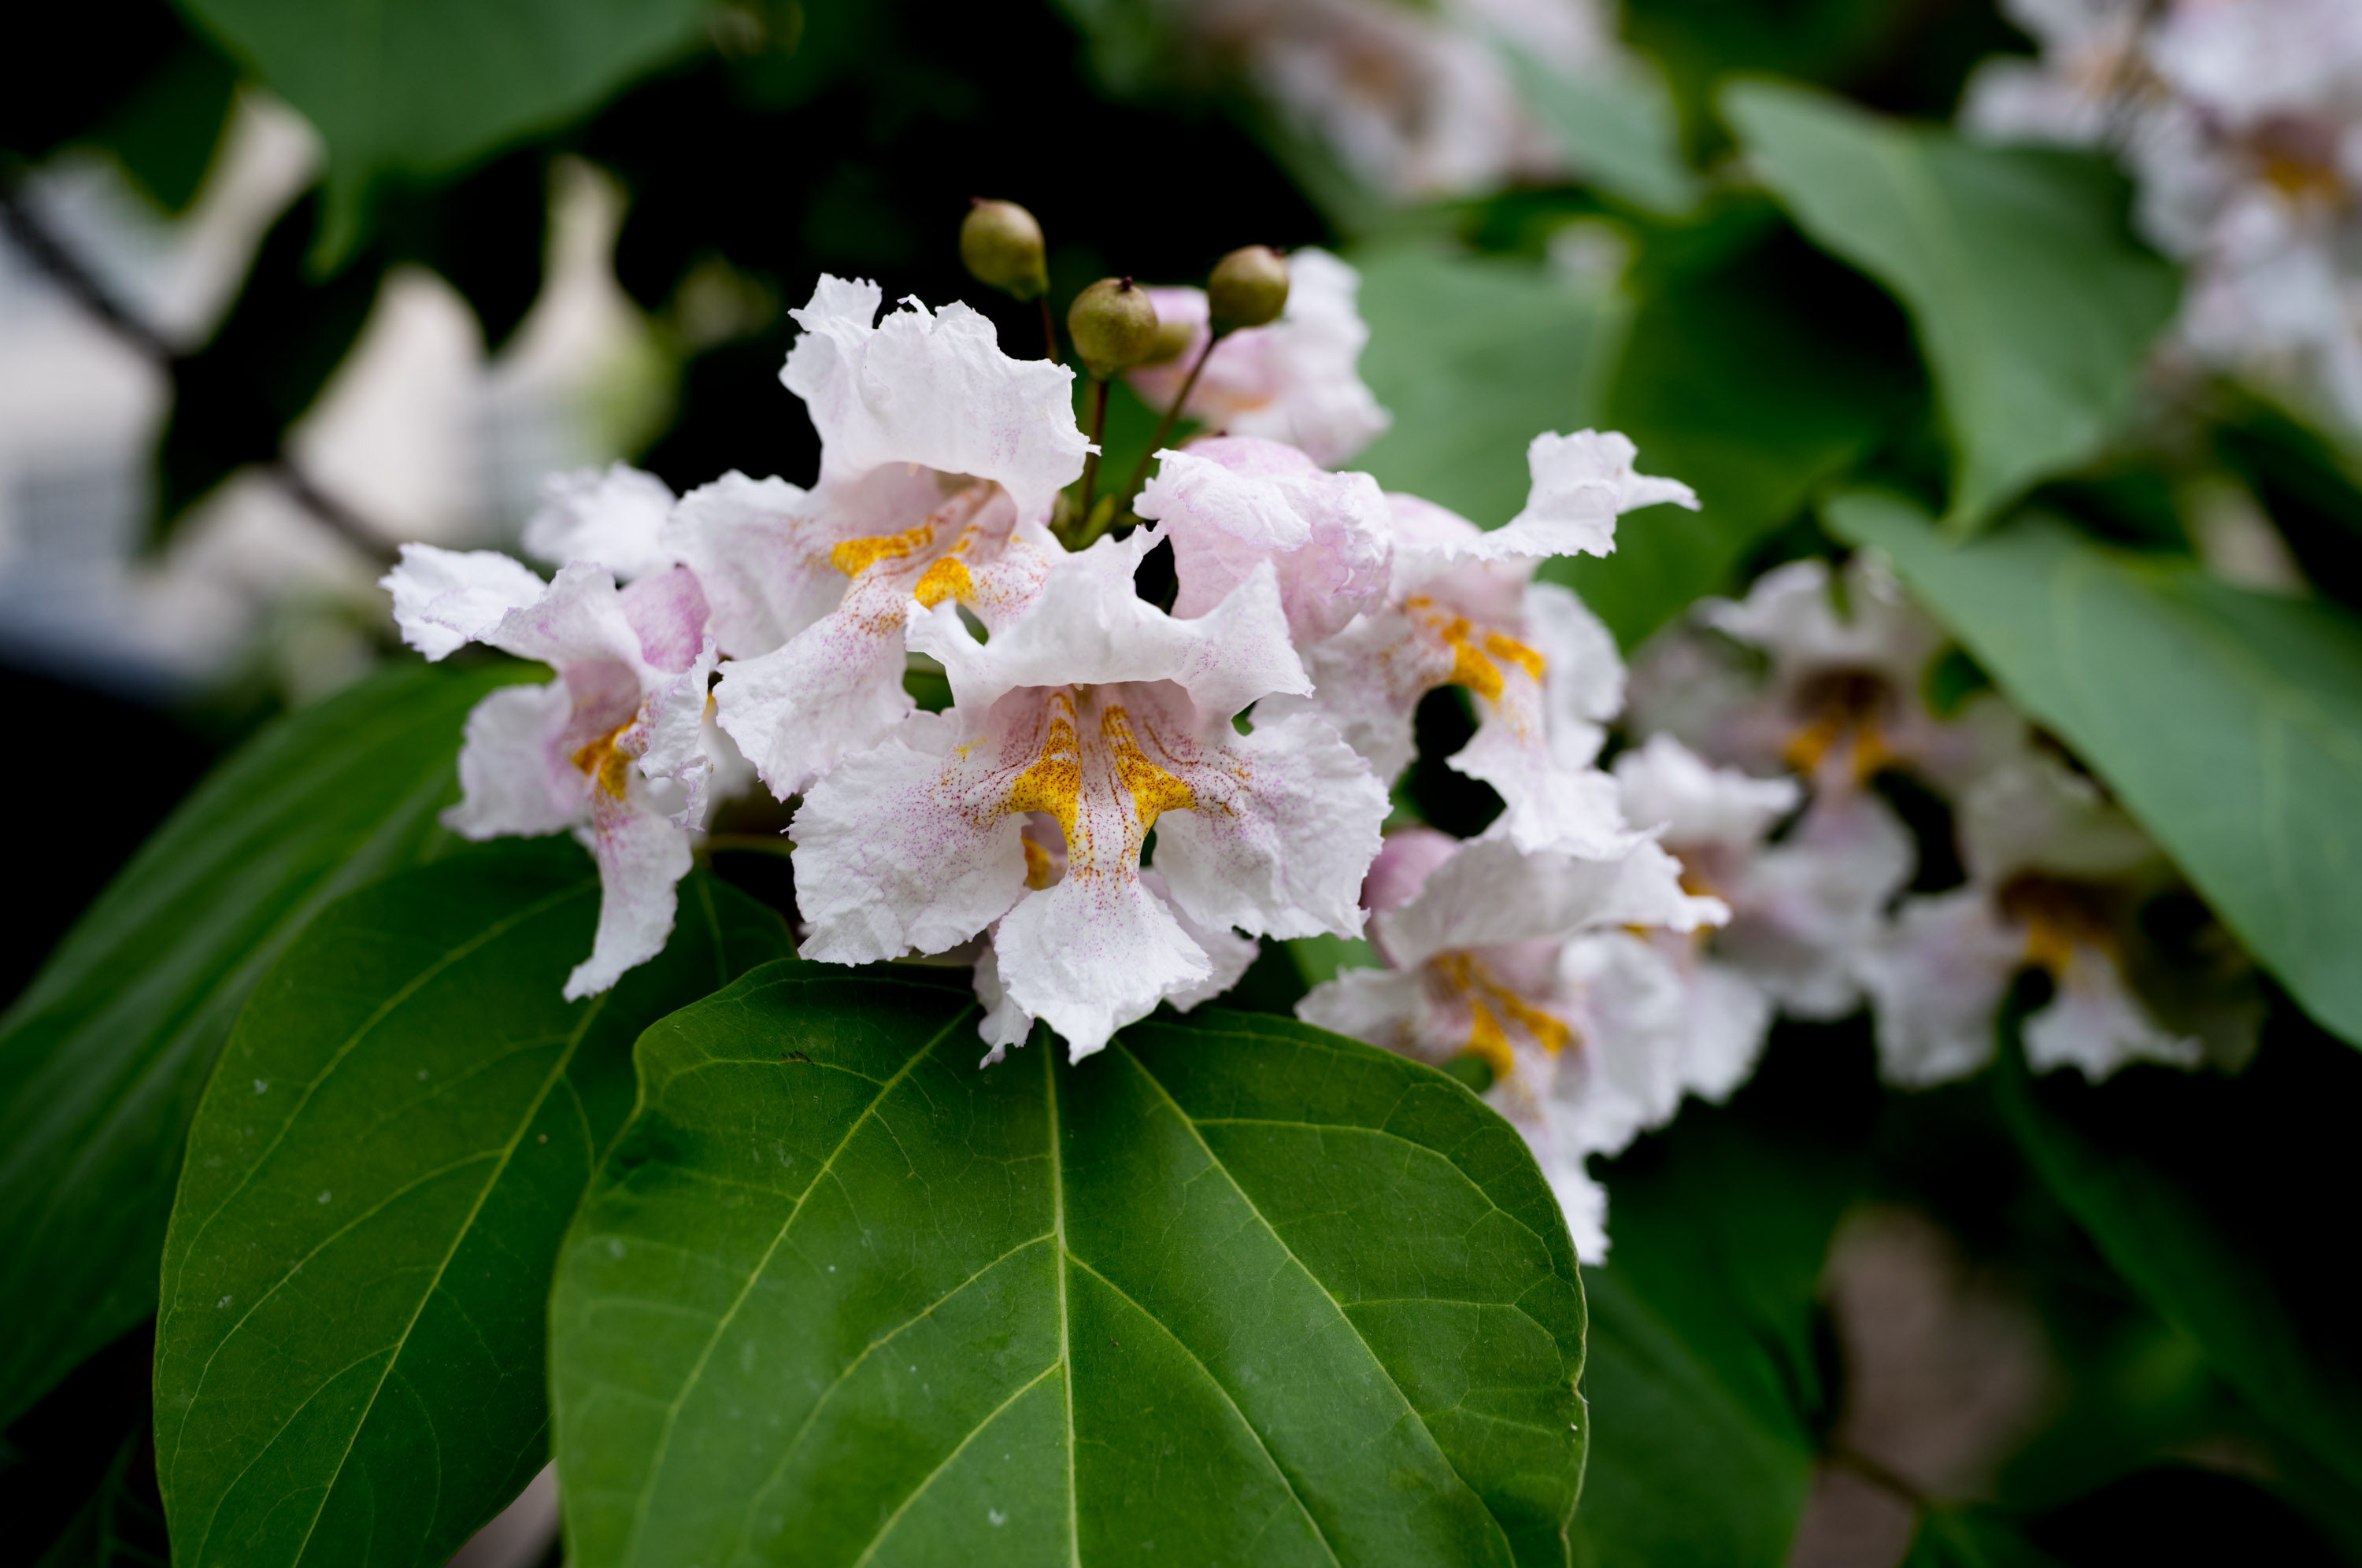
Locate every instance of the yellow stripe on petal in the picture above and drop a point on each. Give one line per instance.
(1488, 1042)
(1154, 791)
(856, 555)
(1053, 784)
(947, 579)
(1474, 670)
(1511, 651)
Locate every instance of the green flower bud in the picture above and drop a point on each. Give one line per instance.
(1002, 245)
(1113, 326)
(1249, 288)
(1172, 337)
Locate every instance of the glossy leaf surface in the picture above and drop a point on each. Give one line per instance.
(102, 1060)
(2229, 722)
(1234, 1290)
(2034, 305)
(1475, 357)
(426, 87)
(349, 1361)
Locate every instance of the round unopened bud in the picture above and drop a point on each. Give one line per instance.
(1002, 245)
(1171, 338)
(1249, 287)
(1113, 326)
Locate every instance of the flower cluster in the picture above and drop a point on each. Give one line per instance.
(2242, 126)
(1818, 683)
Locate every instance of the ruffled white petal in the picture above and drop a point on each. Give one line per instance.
(2094, 1025)
(613, 519)
(1730, 1020)
(510, 779)
(1227, 503)
(1094, 953)
(444, 599)
(1491, 893)
(1374, 1005)
(1936, 980)
(1581, 483)
(1664, 785)
(931, 388)
(1810, 906)
(642, 857)
(763, 580)
(1089, 628)
(1228, 955)
(891, 857)
(1285, 828)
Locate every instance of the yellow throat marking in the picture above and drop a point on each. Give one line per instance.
(1154, 791)
(1475, 652)
(1486, 1038)
(1053, 783)
(856, 555)
(609, 769)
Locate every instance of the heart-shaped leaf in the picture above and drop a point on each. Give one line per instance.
(349, 1362)
(1233, 1290)
(2228, 722)
(2034, 305)
(104, 1056)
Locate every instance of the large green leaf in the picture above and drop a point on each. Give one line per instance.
(2229, 722)
(1475, 356)
(2033, 303)
(1620, 129)
(103, 1059)
(1725, 387)
(1232, 1291)
(426, 87)
(349, 1362)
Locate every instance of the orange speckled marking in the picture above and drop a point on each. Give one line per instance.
(1154, 791)
(947, 579)
(1055, 782)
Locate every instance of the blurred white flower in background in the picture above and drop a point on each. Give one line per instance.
(419, 433)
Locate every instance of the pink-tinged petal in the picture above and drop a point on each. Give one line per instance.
(1226, 504)
(667, 612)
(1583, 673)
(1380, 1006)
(1297, 381)
(642, 857)
(1581, 483)
(904, 847)
(1808, 907)
(1409, 856)
(613, 519)
(1088, 627)
(1548, 805)
(1665, 786)
(832, 688)
(1431, 541)
(756, 548)
(579, 621)
(445, 598)
(1283, 829)
(1094, 953)
(931, 388)
(513, 779)
(1492, 894)
(1160, 383)
(670, 738)
(1366, 682)
(1936, 981)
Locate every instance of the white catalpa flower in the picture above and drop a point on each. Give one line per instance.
(613, 519)
(1024, 808)
(1524, 961)
(2059, 879)
(1297, 381)
(2242, 127)
(1802, 908)
(1415, 100)
(1841, 691)
(1463, 610)
(940, 460)
(1230, 502)
(613, 749)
